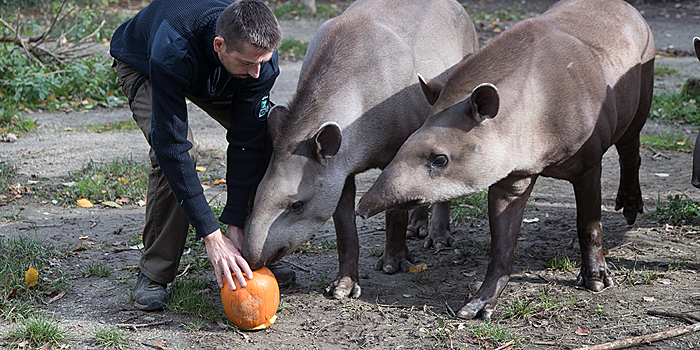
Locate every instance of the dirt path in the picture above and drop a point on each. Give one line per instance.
(397, 311)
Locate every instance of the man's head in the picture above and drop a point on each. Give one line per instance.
(247, 32)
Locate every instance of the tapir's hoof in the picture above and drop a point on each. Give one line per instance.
(416, 232)
(594, 284)
(475, 308)
(392, 267)
(345, 287)
(631, 207)
(439, 242)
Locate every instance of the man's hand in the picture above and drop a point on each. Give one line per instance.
(224, 255)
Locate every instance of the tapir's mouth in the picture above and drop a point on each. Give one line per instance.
(278, 255)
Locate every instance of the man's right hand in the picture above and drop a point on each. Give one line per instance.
(224, 255)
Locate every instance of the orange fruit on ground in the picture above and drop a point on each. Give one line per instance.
(254, 306)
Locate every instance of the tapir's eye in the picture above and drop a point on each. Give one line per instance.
(439, 161)
(296, 206)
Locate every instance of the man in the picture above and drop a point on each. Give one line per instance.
(222, 56)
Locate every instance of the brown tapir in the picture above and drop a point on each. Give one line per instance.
(546, 97)
(356, 102)
(696, 151)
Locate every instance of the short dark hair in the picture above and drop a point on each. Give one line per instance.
(249, 21)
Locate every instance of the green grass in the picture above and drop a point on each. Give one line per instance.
(18, 255)
(491, 332)
(681, 210)
(522, 306)
(672, 141)
(121, 125)
(644, 276)
(188, 296)
(469, 208)
(98, 181)
(96, 269)
(308, 248)
(109, 337)
(295, 10)
(38, 330)
(664, 71)
(672, 107)
(293, 49)
(8, 172)
(562, 263)
(511, 13)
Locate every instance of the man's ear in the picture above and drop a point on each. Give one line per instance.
(219, 44)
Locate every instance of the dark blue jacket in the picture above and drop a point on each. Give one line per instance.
(172, 42)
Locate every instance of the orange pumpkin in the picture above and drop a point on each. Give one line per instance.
(254, 306)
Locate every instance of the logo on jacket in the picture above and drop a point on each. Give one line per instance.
(264, 107)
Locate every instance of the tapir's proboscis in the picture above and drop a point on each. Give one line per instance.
(356, 103)
(696, 151)
(547, 97)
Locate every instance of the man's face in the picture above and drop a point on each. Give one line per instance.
(243, 64)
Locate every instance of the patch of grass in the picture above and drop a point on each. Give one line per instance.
(664, 70)
(18, 256)
(672, 107)
(375, 252)
(38, 330)
(523, 306)
(295, 10)
(441, 334)
(510, 13)
(668, 141)
(121, 125)
(190, 296)
(96, 269)
(681, 210)
(562, 263)
(8, 172)
(109, 337)
(292, 49)
(97, 181)
(677, 264)
(491, 332)
(308, 248)
(469, 208)
(644, 276)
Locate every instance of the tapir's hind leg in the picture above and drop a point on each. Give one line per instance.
(396, 256)
(347, 282)
(629, 195)
(418, 223)
(594, 273)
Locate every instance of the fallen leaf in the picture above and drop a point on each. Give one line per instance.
(59, 296)
(79, 249)
(681, 143)
(160, 344)
(200, 168)
(141, 203)
(205, 187)
(83, 237)
(124, 180)
(418, 268)
(219, 182)
(469, 274)
(31, 278)
(648, 299)
(112, 204)
(84, 203)
(582, 331)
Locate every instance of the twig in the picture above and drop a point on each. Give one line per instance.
(185, 271)
(658, 154)
(683, 316)
(82, 40)
(153, 346)
(295, 265)
(644, 339)
(450, 311)
(136, 326)
(508, 345)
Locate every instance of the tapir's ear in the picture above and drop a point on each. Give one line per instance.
(696, 43)
(484, 100)
(327, 141)
(274, 119)
(431, 89)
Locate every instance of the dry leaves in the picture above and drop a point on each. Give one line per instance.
(84, 203)
(582, 331)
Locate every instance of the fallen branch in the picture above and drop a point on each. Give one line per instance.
(683, 316)
(508, 345)
(142, 325)
(644, 339)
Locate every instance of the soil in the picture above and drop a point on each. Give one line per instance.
(403, 310)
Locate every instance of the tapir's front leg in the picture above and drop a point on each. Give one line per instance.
(396, 256)
(440, 235)
(507, 200)
(347, 282)
(594, 273)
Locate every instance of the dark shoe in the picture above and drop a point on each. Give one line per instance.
(284, 275)
(149, 295)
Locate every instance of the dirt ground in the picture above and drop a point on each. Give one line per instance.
(395, 311)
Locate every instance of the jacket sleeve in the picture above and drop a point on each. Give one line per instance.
(169, 128)
(246, 138)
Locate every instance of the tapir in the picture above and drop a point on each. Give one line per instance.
(546, 97)
(696, 151)
(356, 102)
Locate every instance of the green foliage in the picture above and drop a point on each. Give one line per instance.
(96, 269)
(681, 210)
(469, 208)
(107, 181)
(190, 296)
(522, 306)
(294, 10)
(664, 71)
(491, 332)
(671, 141)
(121, 125)
(562, 263)
(39, 330)
(292, 49)
(317, 248)
(18, 255)
(672, 107)
(109, 337)
(8, 172)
